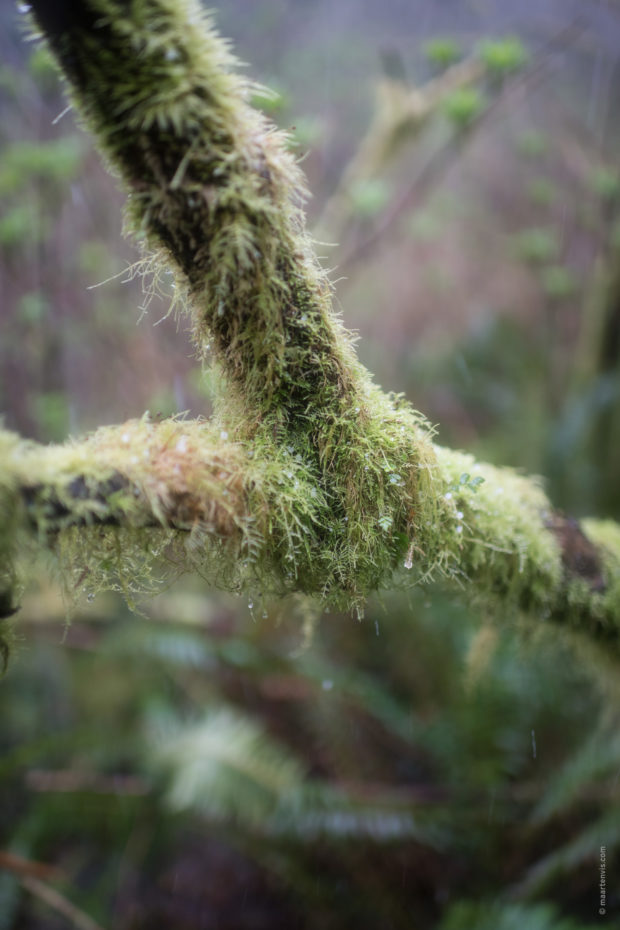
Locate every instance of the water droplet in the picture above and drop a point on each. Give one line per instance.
(408, 563)
(357, 409)
(181, 445)
(459, 515)
(377, 627)
(90, 597)
(250, 603)
(265, 614)
(24, 7)
(125, 438)
(459, 528)
(327, 684)
(172, 54)
(448, 496)
(224, 434)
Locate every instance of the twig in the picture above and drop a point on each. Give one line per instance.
(441, 162)
(57, 902)
(10, 862)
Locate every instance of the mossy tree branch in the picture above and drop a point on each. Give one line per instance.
(401, 113)
(309, 478)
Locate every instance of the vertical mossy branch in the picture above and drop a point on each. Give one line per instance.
(310, 478)
(215, 192)
(212, 184)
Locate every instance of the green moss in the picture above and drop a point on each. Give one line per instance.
(496, 536)
(215, 193)
(309, 479)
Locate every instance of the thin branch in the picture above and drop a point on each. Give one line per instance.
(59, 903)
(22, 867)
(440, 162)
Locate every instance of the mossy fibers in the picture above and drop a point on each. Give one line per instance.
(328, 484)
(214, 190)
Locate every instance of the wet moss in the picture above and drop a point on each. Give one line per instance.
(309, 478)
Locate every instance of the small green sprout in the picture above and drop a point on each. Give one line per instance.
(462, 106)
(558, 281)
(606, 184)
(503, 55)
(370, 197)
(466, 482)
(442, 51)
(537, 245)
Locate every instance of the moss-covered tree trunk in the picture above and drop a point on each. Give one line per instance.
(309, 478)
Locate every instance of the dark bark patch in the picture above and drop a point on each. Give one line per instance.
(580, 557)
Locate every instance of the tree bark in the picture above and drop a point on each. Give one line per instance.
(310, 478)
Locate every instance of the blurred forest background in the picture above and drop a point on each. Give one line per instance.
(205, 762)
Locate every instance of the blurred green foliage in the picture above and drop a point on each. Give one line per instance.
(537, 245)
(502, 56)
(445, 760)
(442, 51)
(370, 197)
(462, 106)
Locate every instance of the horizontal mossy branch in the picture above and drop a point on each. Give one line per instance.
(179, 493)
(310, 479)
